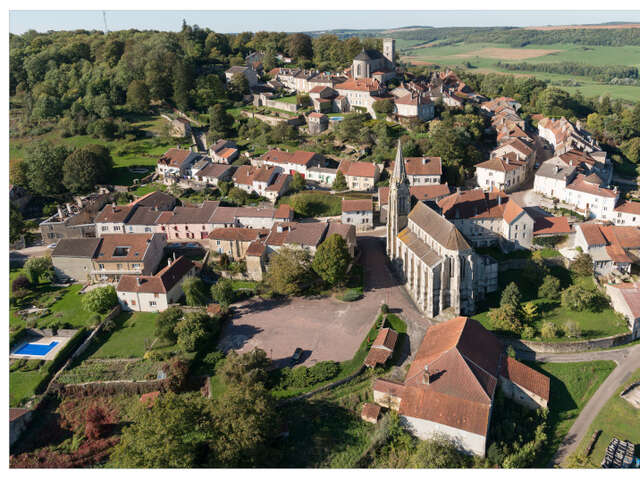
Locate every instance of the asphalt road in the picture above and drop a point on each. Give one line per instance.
(628, 361)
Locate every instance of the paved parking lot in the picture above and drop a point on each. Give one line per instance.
(324, 328)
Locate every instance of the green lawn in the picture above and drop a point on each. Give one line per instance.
(22, 385)
(293, 99)
(593, 324)
(67, 310)
(313, 203)
(148, 188)
(572, 385)
(128, 339)
(618, 419)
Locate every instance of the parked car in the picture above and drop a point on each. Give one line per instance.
(52, 246)
(297, 354)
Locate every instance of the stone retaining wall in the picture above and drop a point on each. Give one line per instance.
(567, 347)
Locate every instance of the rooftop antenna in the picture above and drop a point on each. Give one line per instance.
(104, 17)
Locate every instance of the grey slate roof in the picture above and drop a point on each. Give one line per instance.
(368, 55)
(77, 247)
(439, 228)
(548, 170)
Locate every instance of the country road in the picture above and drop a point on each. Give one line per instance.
(627, 359)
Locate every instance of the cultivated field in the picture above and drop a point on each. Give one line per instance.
(483, 57)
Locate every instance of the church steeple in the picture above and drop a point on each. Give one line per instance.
(399, 202)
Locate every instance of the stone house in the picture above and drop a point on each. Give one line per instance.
(155, 293)
(612, 248)
(504, 173)
(427, 193)
(564, 135)
(423, 170)
(326, 176)
(187, 223)
(224, 151)
(450, 386)
(213, 173)
(74, 220)
(249, 73)
(72, 258)
(235, 241)
(627, 213)
(487, 219)
(317, 122)
(254, 179)
(278, 187)
(360, 94)
(522, 150)
(176, 162)
(360, 175)
(156, 199)
(297, 162)
(358, 213)
(122, 254)
(112, 219)
(625, 299)
(414, 106)
(143, 220)
(382, 348)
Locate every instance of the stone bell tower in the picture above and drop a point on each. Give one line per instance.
(399, 203)
(389, 50)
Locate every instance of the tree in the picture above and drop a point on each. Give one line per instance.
(100, 300)
(579, 298)
(548, 330)
(86, 167)
(245, 420)
(439, 452)
(166, 322)
(16, 223)
(582, 265)
(383, 108)
(332, 260)
(17, 173)
(238, 196)
(550, 288)
(288, 270)
(21, 283)
(37, 268)
(247, 368)
(95, 422)
(511, 296)
(340, 183)
(299, 46)
(43, 163)
(298, 183)
(239, 84)
(138, 97)
(192, 331)
(222, 292)
(530, 311)
(195, 292)
(220, 122)
(174, 432)
(507, 317)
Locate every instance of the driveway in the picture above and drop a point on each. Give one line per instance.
(628, 361)
(325, 328)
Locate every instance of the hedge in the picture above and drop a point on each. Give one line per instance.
(61, 358)
(549, 241)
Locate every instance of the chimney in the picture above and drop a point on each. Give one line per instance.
(499, 199)
(60, 214)
(79, 202)
(174, 256)
(426, 377)
(69, 208)
(458, 189)
(138, 280)
(169, 261)
(556, 168)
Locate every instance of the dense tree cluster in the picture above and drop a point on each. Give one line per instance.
(597, 72)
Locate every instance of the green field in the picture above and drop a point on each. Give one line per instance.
(572, 385)
(22, 385)
(617, 418)
(483, 60)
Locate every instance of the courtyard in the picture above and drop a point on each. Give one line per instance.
(325, 328)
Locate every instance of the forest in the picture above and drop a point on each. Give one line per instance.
(604, 73)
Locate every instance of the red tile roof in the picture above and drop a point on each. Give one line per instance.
(162, 282)
(592, 234)
(134, 245)
(256, 248)
(174, 157)
(356, 205)
(426, 165)
(551, 225)
(359, 84)
(363, 169)
(631, 294)
(382, 348)
(370, 411)
(627, 237)
(284, 212)
(298, 157)
(114, 214)
(478, 204)
(528, 378)
(631, 207)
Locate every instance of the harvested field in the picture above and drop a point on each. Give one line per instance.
(584, 27)
(507, 53)
(415, 62)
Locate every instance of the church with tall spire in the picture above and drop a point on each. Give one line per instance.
(441, 271)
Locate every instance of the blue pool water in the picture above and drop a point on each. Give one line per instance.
(34, 349)
(336, 118)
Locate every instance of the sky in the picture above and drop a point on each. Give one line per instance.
(292, 21)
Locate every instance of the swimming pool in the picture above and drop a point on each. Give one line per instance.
(36, 349)
(336, 118)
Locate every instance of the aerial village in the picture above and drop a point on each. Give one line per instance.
(430, 297)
